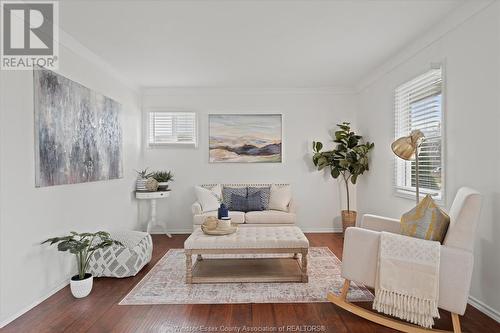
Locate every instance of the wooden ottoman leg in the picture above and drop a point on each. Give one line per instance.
(305, 277)
(189, 267)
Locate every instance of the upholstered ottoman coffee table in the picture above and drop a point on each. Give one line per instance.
(256, 243)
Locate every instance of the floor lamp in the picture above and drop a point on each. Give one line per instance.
(406, 148)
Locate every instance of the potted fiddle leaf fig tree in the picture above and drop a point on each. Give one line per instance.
(348, 159)
(82, 245)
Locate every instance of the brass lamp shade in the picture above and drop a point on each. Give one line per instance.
(406, 147)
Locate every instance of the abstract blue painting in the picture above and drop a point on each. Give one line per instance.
(78, 135)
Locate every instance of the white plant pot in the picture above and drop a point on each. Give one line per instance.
(162, 186)
(140, 184)
(81, 288)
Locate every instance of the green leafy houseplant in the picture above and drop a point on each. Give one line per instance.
(349, 158)
(163, 176)
(82, 245)
(143, 174)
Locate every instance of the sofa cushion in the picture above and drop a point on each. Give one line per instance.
(254, 202)
(269, 217)
(239, 203)
(264, 194)
(280, 197)
(236, 217)
(208, 198)
(425, 221)
(227, 193)
(247, 204)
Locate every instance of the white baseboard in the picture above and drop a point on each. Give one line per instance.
(306, 230)
(484, 308)
(321, 230)
(172, 231)
(18, 314)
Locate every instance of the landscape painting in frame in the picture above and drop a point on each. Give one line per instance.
(78, 135)
(245, 138)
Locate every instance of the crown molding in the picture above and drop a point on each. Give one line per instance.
(70, 43)
(451, 22)
(154, 91)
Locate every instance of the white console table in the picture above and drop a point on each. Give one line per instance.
(152, 197)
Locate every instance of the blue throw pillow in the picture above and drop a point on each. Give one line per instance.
(254, 202)
(238, 203)
(227, 193)
(265, 194)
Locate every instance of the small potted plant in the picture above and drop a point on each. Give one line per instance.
(142, 178)
(82, 246)
(163, 178)
(349, 159)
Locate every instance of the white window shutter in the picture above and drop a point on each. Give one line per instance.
(172, 128)
(418, 105)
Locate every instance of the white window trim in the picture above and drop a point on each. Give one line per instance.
(146, 130)
(410, 193)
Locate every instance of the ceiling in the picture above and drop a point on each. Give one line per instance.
(270, 44)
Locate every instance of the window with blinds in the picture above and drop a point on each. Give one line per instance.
(172, 128)
(418, 105)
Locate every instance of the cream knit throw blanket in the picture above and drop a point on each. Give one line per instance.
(407, 281)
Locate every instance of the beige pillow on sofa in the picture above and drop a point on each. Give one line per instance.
(280, 197)
(208, 198)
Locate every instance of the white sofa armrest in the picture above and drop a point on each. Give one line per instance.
(196, 208)
(360, 258)
(380, 223)
(292, 206)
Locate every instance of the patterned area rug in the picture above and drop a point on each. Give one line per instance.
(164, 284)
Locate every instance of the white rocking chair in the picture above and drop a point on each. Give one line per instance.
(359, 262)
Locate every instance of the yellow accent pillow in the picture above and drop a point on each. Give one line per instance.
(425, 221)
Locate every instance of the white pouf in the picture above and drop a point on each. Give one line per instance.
(122, 261)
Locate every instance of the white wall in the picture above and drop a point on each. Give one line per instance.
(471, 53)
(307, 116)
(29, 215)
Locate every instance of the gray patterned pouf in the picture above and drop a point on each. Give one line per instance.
(122, 261)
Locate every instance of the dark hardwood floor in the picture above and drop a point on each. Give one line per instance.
(100, 311)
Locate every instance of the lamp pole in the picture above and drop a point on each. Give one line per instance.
(416, 175)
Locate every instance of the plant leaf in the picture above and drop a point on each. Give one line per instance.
(335, 173)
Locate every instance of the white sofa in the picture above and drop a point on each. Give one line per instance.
(253, 218)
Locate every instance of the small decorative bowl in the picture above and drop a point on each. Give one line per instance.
(210, 223)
